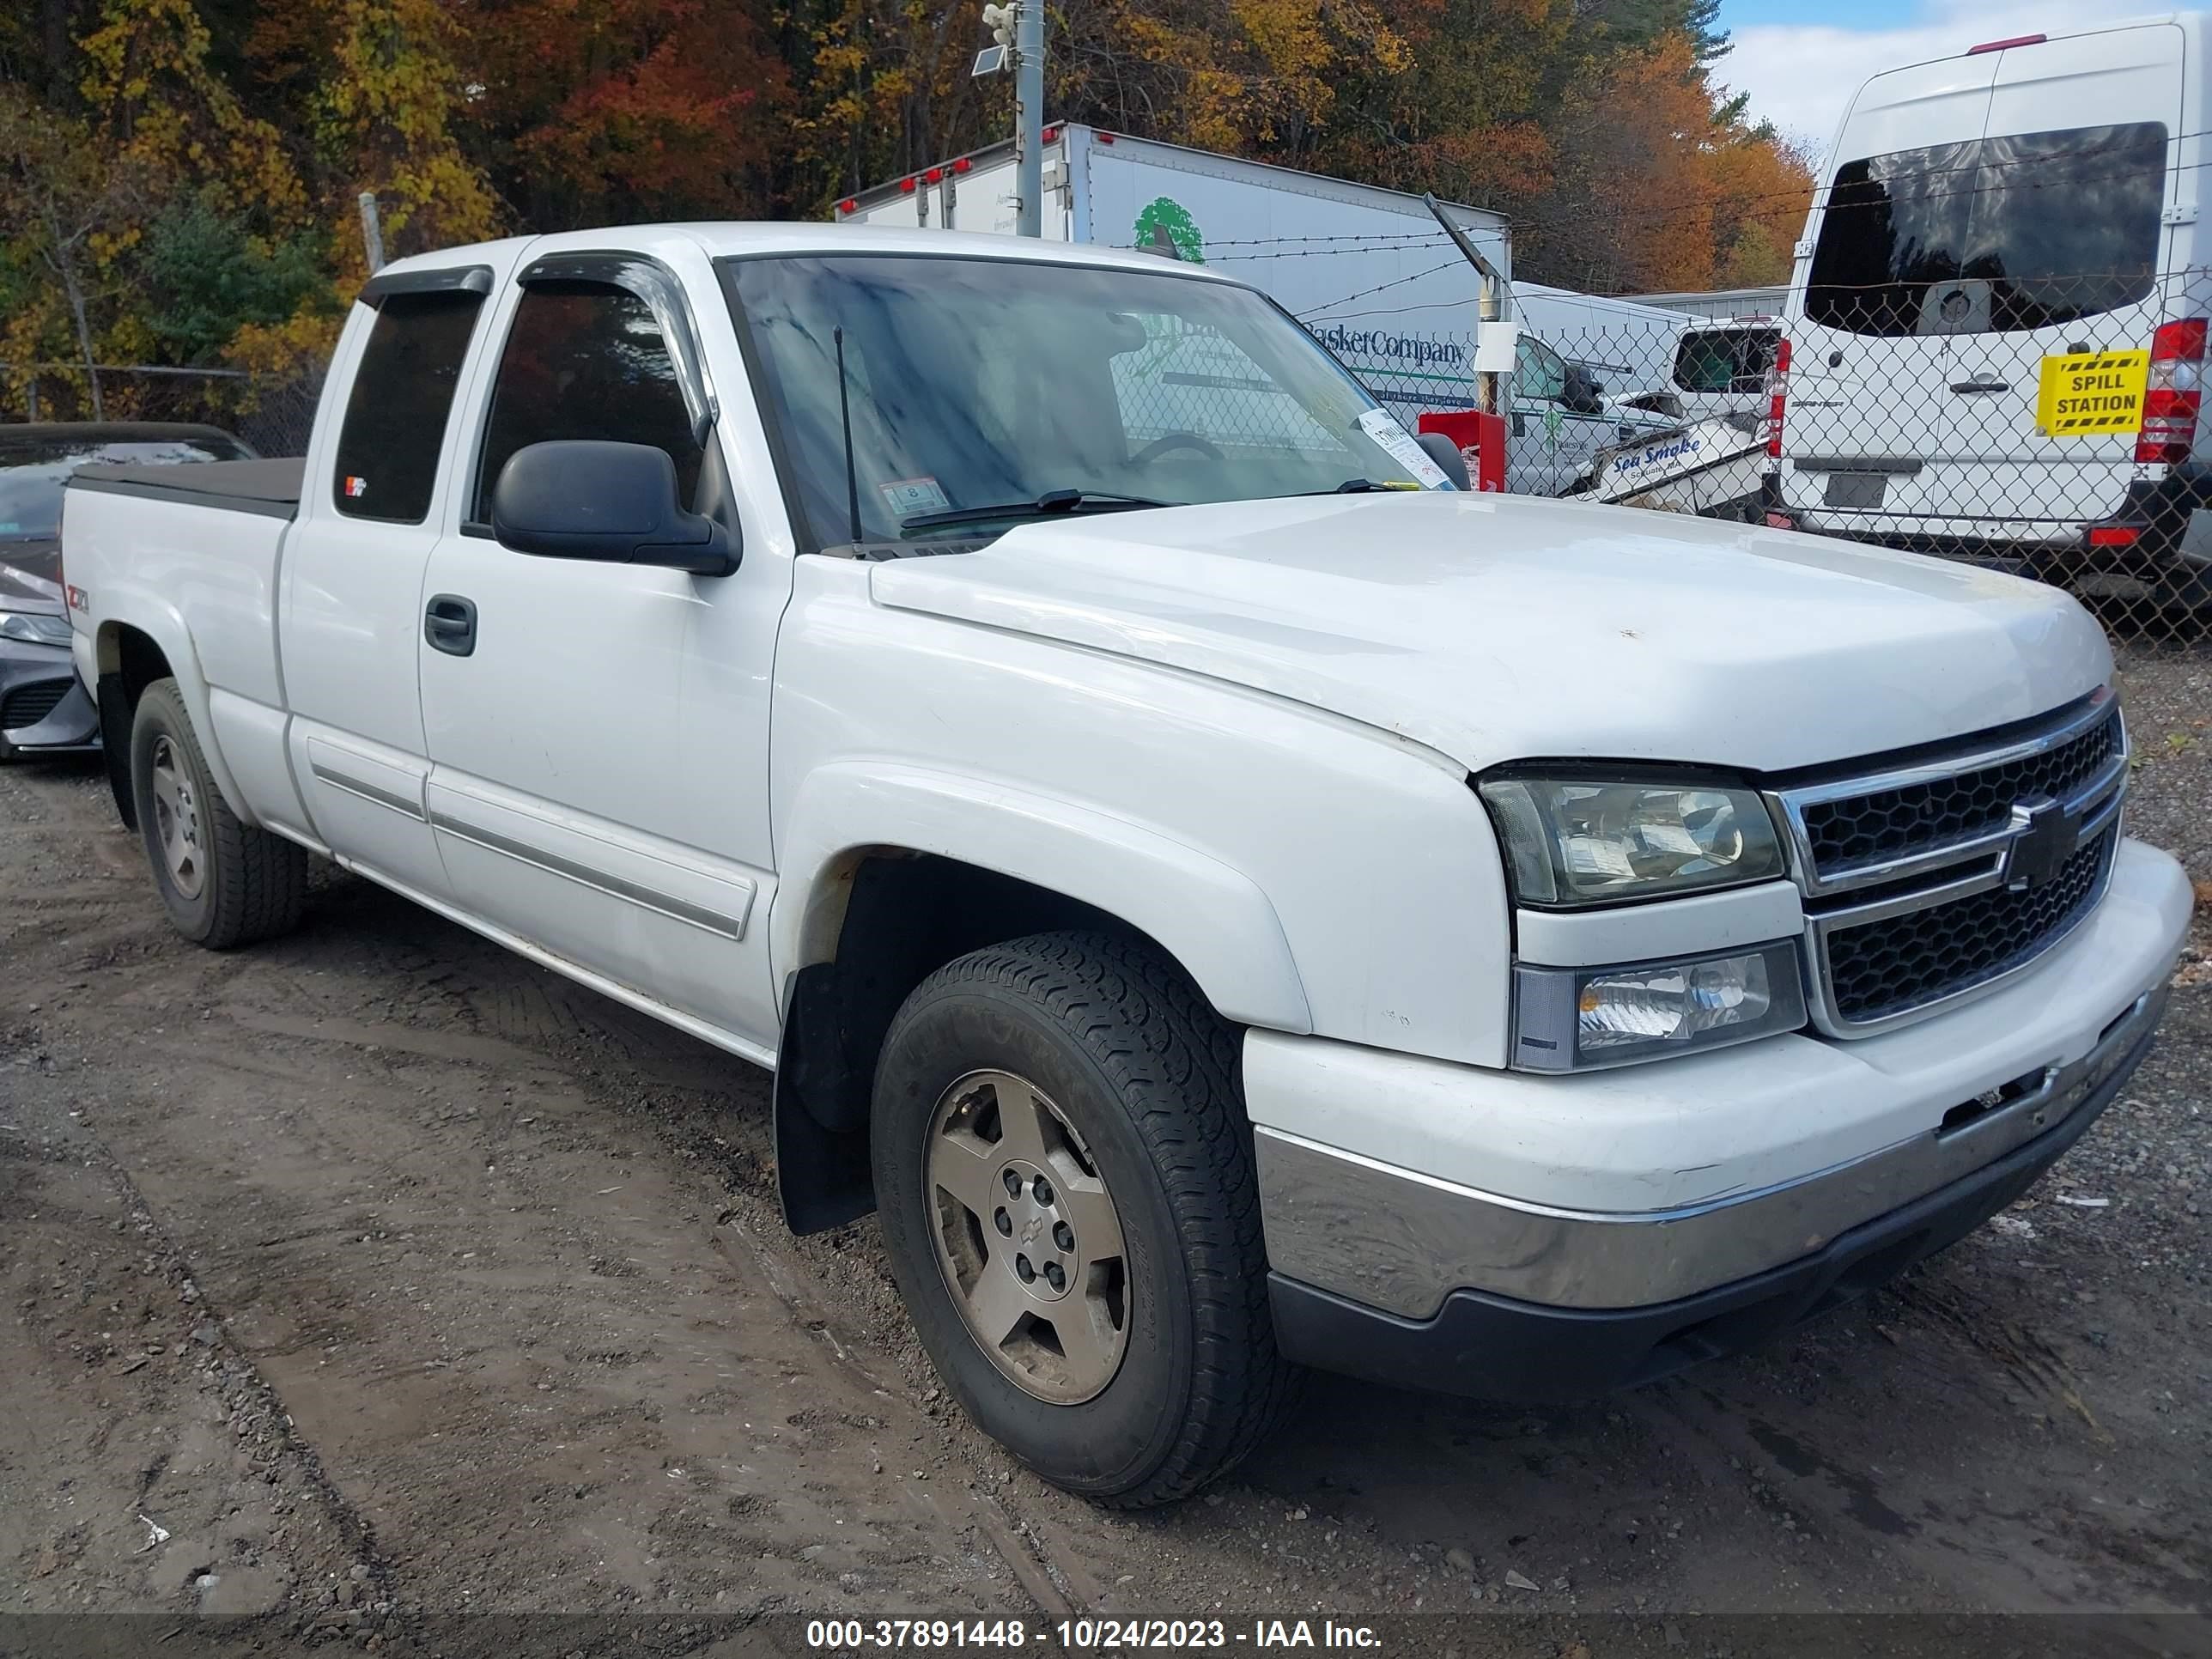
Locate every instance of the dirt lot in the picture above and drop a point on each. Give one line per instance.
(377, 1274)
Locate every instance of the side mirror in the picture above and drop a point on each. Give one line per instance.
(591, 498)
(1581, 394)
(1446, 454)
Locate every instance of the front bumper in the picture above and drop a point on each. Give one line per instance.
(1500, 1348)
(43, 706)
(1628, 1222)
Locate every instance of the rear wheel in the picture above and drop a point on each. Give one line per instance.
(1064, 1175)
(223, 882)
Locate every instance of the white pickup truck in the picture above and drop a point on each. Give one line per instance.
(1228, 900)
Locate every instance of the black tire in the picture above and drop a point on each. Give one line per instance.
(250, 884)
(1146, 1074)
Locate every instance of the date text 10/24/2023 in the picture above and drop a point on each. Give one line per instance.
(1085, 1635)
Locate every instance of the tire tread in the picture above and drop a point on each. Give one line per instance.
(259, 879)
(1173, 1062)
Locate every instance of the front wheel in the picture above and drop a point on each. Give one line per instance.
(1064, 1175)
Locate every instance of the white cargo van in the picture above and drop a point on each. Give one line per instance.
(2034, 199)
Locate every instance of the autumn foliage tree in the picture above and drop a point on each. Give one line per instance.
(184, 173)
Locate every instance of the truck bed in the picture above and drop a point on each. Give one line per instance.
(271, 488)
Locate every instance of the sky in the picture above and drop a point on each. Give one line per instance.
(1801, 60)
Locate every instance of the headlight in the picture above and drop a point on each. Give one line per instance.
(34, 628)
(1568, 1019)
(1570, 843)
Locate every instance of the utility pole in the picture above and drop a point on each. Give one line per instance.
(1029, 116)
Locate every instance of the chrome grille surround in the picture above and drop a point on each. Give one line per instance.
(1914, 874)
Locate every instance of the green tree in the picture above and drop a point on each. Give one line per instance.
(62, 199)
(208, 277)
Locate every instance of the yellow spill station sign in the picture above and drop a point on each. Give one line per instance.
(2084, 393)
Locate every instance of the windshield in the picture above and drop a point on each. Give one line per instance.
(982, 384)
(32, 470)
(2021, 232)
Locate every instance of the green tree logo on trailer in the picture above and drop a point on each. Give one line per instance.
(1166, 227)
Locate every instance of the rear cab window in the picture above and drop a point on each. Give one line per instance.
(1991, 235)
(395, 416)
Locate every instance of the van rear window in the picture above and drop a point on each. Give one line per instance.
(1991, 235)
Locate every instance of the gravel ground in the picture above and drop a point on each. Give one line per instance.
(376, 1274)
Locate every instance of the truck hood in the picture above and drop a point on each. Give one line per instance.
(1495, 627)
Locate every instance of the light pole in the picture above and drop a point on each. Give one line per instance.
(1029, 116)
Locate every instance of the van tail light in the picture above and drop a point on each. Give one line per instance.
(1777, 394)
(2172, 394)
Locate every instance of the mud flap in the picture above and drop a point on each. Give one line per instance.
(822, 1176)
(115, 740)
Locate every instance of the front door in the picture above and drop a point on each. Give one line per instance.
(598, 732)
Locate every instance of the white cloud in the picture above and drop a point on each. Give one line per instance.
(1800, 76)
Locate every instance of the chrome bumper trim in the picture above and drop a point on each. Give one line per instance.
(1401, 1241)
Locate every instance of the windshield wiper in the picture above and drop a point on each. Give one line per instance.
(1052, 501)
(1359, 487)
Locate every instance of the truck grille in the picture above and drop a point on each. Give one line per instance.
(26, 705)
(1912, 960)
(1937, 876)
(1857, 828)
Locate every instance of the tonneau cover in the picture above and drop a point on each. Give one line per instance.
(271, 487)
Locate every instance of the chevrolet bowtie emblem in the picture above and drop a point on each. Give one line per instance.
(2043, 837)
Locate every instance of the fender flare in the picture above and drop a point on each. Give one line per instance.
(126, 605)
(1212, 918)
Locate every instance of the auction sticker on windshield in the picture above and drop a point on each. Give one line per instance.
(1382, 425)
(2083, 393)
(908, 496)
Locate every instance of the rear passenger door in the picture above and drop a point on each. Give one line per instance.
(370, 509)
(598, 732)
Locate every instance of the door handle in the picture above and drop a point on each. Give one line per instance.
(449, 623)
(1969, 388)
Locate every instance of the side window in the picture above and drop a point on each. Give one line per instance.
(584, 360)
(395, 416)
(1538, 372)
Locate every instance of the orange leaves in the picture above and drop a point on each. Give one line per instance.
(631, 108)
(1658, 190)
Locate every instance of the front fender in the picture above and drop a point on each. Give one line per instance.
(1213, 918)
(123, 604)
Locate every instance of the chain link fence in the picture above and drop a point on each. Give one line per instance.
(273, 414)
(2045, 429)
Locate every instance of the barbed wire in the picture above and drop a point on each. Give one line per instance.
(1812, 196)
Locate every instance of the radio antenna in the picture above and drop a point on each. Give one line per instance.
(845, 413)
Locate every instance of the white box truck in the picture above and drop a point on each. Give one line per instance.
(1369, 271)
